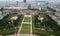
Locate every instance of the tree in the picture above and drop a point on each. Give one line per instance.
(2, 9)
(29, 6)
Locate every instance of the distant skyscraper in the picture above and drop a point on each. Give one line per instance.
(24, 1)
(17, 3)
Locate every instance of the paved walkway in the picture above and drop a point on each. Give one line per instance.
(25, 23)
(21, 35)
(31, 24)
(20, 27)
(18, 34)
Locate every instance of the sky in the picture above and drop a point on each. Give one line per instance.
(22, 0)
(34, 0)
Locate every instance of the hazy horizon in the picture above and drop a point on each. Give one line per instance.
(22, 0)
(58, 1)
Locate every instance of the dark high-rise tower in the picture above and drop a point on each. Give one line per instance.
(24, 1)
(17, 3)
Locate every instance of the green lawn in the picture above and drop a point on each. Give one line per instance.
(27, 19)
(37, 28)
(8, 31)
(25, 29)
(7, 28)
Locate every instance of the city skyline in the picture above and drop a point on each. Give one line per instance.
(22, 0)
(56, 1)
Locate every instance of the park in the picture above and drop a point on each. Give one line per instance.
(40, 24)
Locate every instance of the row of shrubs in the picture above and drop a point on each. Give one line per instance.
(48, 22)
(6, 28)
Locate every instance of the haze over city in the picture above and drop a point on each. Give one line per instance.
(33, 0)
(29, 17)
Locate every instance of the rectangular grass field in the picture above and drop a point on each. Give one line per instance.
(25, 29)
(27, 19)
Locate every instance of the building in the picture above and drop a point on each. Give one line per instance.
(1, 16)
(24, 1)
(17, 3)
